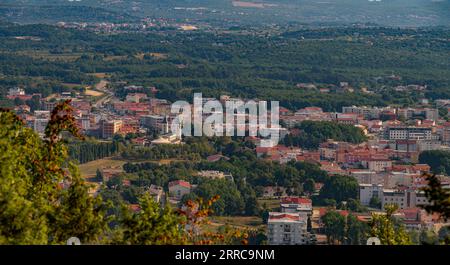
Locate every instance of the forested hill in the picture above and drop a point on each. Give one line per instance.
(44, 59)
(404, 13)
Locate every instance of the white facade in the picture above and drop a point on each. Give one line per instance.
(179, 188)
(410, 133)
(288, 229)
(403, 198)
(369, 191)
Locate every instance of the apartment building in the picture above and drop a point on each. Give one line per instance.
(377, 165)
(403, 198)
(369, 191)
(296, 205)
(369, 113)
(410, 133)
(109, 128)
(156, 123)
(427, 113)
(288, 229)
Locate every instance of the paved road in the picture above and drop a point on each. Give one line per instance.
(102, 86)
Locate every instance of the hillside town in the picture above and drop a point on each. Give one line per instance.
(386, 166)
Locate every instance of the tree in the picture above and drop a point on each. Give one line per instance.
(375, 202)
(231, 201)
(80, 215)
(444, 235)
(438, 160)
(98, 175)
(23, 218)
(309, 186)
(151, 225)
(334, 226)
(339, 188)
(428, 237)
(34, 209)
(355, 206)
(438, 197)
(356, 231)
(385, 228)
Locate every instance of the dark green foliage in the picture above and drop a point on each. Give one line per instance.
(152, 225)
(231, 201)
(84, 152)
(375, 202)
(438, 160)
(339, 188)
(334, 226)
(314, 133)
(438, 196)
(251, 66)
(357, 231)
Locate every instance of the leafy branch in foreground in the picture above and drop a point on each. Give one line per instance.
(44, 202)
(438, 196)
(384, 227)
(34, 206)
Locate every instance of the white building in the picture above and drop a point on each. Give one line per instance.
(369, 191)
(155, 123)
(288, 229)
(156, 192)
(368, 112)
(406, 198)
(40, 125)
(296, 205)
(16, 91)
(179, 188)
(365, 176)
(377, 165)
(214, 174)
(410, 133)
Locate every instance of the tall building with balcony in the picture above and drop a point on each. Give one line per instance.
(288, 229)
(410, 133)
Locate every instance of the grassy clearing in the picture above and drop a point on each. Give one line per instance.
(238, 221)
(271, 204)
(93, 93)
(89, 169)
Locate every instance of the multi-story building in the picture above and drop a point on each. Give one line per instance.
(155, 123)
(109, 128)
(404, 198)
(296, 205)
(369, 191)
(444, 133)
(135, 97)
(364, 176)
(410, 133)
(377, 164)
(40, 125)
(427, 113)
(288, 229)
(48, 105)
(369, 113)
(179, 188)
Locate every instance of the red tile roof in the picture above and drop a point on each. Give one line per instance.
(296, 200)
(180, 183)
